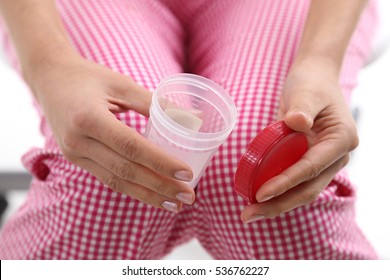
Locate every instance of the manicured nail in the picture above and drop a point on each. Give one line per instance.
(170, 206)
(254, 219)
(183, 175)
(186, 198)
(268, 197)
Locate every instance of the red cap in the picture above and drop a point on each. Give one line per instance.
(273, 150)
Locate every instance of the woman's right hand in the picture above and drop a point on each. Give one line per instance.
(79, 99)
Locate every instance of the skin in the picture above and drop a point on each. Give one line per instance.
(84, 125)
(312, 102)
(90, 136)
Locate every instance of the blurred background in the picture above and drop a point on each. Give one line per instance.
(368, 167)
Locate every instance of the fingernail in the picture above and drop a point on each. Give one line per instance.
(254, 219)
(183, 175)
(170, 206)
(299, 112)
(186, 198)
(268, 197)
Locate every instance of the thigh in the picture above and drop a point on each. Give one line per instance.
(248, 47)
(69, 214)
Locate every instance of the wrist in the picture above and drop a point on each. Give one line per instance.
(37, 65)
(322, 64)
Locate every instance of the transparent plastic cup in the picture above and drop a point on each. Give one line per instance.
(190, 117)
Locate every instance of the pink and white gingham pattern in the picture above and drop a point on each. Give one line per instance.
(247, 48)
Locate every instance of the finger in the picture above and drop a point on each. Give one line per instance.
(279, 114)
(138, 192)
(134, 147)
(129, 95)
(136, 173)
(300, 195)
(313, 163)
(301, 109)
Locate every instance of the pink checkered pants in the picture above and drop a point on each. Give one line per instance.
(246, 47)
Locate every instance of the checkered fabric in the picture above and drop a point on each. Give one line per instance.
(247, 48)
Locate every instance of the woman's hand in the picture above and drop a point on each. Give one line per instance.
(79, 98)
(311, 102)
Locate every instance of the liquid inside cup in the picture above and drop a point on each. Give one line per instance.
(193, 112)
(190, 118)
(185, 118)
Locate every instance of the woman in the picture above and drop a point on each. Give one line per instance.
(100, 190)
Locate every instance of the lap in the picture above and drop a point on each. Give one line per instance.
(246, 47)
(69, 214)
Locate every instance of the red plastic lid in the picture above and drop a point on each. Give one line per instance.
(273, 150)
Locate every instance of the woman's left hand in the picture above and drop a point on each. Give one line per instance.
(311, 102)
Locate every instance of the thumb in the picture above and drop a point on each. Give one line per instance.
(301, 110)
(128, 95)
